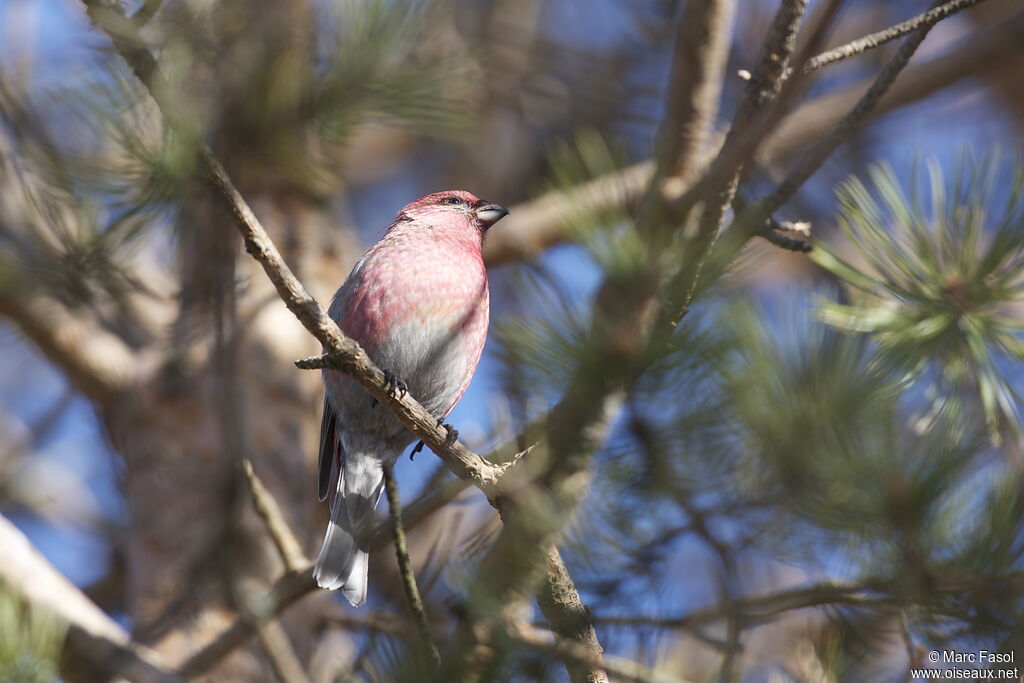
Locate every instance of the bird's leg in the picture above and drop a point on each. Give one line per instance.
(453, 436)
(394, 385)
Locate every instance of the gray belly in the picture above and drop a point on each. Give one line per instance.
(434, 367)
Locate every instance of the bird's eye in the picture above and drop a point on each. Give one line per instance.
(451, 200)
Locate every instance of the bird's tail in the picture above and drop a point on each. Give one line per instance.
(344, 557)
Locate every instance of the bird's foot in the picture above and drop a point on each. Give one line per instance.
(416, 449)
(453, 433)
(395, 387)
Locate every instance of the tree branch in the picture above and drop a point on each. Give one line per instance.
(96, 362)
(850, 122)
(412, 593)
(574, 653)
(754, 610)
(560, 603)
(979, 52)
(698, 68)
(749, 221)
(288, 547)
(92, 634)
(280, 652)
(539, 224)
(873, 40)
(283, 593)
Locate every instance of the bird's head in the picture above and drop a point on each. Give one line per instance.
(453, 205)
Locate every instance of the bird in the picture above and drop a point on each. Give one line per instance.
(417, 302)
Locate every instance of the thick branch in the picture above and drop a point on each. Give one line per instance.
(92, 634)
(698, 69)
(560, 604)
(96, 362)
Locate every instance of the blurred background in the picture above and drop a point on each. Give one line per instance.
(819, 481)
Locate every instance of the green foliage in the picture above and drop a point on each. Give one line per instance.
(935, 287)
(378, 68)
(30, 642)
(609, 236)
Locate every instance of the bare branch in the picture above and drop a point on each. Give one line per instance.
(412, 593)
(698, 68)
(873, 40)
(96, 362)
(976, 54)
(382, 622)
(753, 610)
(93, 635)
(288, 547)
(571, 652)
(560, 604)
(849, 123)
(749, 222)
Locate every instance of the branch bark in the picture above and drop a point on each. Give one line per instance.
(873, 40)
(92, 635)
(577, 655)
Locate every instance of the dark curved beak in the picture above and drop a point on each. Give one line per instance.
(489, 213)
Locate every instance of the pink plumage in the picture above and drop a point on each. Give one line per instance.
(417, 301)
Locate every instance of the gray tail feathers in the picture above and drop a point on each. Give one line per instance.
(344, 557)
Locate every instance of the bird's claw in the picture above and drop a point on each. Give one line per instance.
(395, 387)
(452, 433)
(416, 449)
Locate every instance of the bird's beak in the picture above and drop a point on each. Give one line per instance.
(489, 213)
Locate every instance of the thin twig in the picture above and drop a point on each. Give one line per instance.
(381, 622)
(287, 545)
(813, 160)
(749, 223)
(569, 651)
(405, 570)
(873, 40)
(762, 90)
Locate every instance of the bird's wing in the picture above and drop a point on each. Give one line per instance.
(328, 443)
